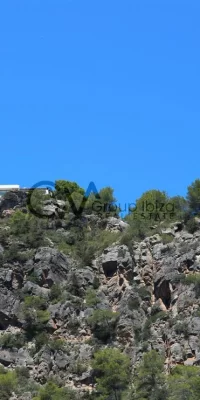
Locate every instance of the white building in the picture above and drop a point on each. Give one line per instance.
(7, 188)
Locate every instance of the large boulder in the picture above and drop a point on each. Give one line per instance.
(19, 357)
(9, 309)
(51, 266)
(117, 259)
(12, 200)
(116, 225)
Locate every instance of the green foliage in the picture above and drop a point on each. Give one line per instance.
(78, 367)
(8, 382)
(33, 277)
(35, 313)
(19, 223)
(35, 301)
(152, 208)
(96, 283)
(87, 243)
(178, 278)
(13, 253)
(144, 293)
(63, 187)
(37, 198)
(145, 334)
(55, 294)
(10, 340)
(41, 339)
(93, 243)
(184, 383)
(74, 286)
(167, 238)
(193, 196)
(111, 368)
(192, 279)
(192, 225)
(181, 327)
(180, 207)
(28, 229)
(22, 372)
(134, 303)
(138, 230)
(24, 383)
(149, 379)
(103, 203)
(67, 191)
(151, 202)
(56, 344)
(73, 324)
(53, 392)
(106, 195)
(4, 235)
(103, 323)
(91, 298)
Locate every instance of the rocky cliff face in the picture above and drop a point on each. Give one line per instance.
(151, 289)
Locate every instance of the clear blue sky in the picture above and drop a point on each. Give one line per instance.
(105, 91)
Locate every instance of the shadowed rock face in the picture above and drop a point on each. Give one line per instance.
(117, 259)
(110, 268)
(141, 284)
(162, 291)
(13, 199)
(9, 308)
(51, 266)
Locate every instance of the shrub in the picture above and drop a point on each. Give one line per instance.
(192, 225)
(8, 382)
(56, 344)
(91, 298)
(51, 391)
(133, 303)
(28, 228)
(35, 313)
(11, 254)
(103, 323)
(4, 235)
(41, 339)
(184, 383)
(96, 283)
(73, 324)
(152, 319)
(167, 238)
(33, 277)
(10, 340)
(55, 294)
(137, 230)
(78, 367)
(22, 372)
(111, 370)
(193, 196)
(19, 223)
(93, 243)
(192, 279)
(182, 328)
(149, 378)
(144, 293)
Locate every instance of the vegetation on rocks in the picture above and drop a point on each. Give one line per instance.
(97, 307)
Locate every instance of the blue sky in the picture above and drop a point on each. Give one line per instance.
(104, 91)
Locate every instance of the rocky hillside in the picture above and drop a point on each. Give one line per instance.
(73, 286)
